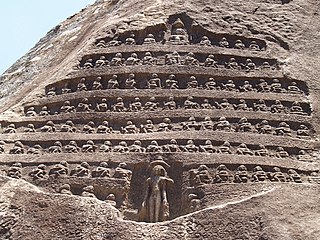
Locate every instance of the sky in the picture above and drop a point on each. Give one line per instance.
(24, 22)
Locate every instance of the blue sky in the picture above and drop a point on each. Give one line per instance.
(24, 22)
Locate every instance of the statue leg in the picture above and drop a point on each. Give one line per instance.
(151, 209)
(157, 208)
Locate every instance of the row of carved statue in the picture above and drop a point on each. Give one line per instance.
(199, 176)
(191, 124)
(172, 146)
(263, 86)
(176, 59)
(204, 42)
(62, 169)
(152, 104)
(203, 175)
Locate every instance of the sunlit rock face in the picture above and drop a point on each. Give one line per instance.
(165, 120)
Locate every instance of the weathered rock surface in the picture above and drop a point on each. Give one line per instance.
(83, 157)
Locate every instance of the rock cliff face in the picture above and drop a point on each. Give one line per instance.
(165, 120)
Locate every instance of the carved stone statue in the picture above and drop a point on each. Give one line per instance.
(155, 205)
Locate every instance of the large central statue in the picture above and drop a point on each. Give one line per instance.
(155, 205)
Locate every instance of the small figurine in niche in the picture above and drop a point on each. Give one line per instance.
(190, 103)
(303, 132)
(133, 60)
(223, 125)
(281, 153)
(113, 82)
(31, 112)
(154, 147)
(260, 106)
(222, 175)
(172, 146)
(123, 172)
(170, 104)
(297, 109)
(232, 64)
(278, 107)
(103, 106)
(244, 150)
(154, 82)
(165, 125)
(283, 130)
(117, 60)
(97, 85)
(72, 147)
(68, 127)
(81, 170)
(130, 82)
(114, 43)
(101, 62)
(265, 66)
(294, 89)
(84, 105)
(171, 82)
(239, 45)
(304, 156)
(67, 107)
(39, 172)
(151, 105)
(59, 170)
(89, 147)
(104, 127)
(65, 189)
(155, 205)
(122, 147)
(106, 147)
(191, 124)
(149, 39)
(136, 147)
(101, 171)
(244, 125)
(119, 105)
(89, 128)
(207, 124)
(44, 111)
(30, 128)
(130, 40)
(206, 104)
(190, 147)
(264, 127)
(56, 147)
(225, 148)
(179, 34)
(242, 106)
(130, 128)
(249, 65)
(191, 60)
(18, 148)
(262, 151)
(276, 86)
(225, 105)
(210, 62)
(2, 143)
(205, 41)
(11, 128)
(15, 171)
(192, 82)
(66, 89)
(224, 43)
(210, 84)
(254, 46)
(51, 92)
(294, 176)
(148, 127)
(229, 86)
(136, 105)
(259, 175)
(148, 59)
(263, 86)
(173, 59)
(88, 64)
(241, 175)
(101, 44)
(200, 176)
(277, 175)
(207, 147)
(88, 191)
(246, 87)
(36, 149)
